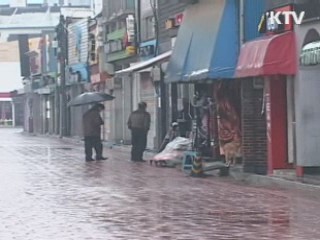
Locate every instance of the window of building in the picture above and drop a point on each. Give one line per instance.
(130, 4)
(111, 28)
(122, 24)
(150, 27)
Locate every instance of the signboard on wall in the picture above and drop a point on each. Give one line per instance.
(78, 42)
(130, 29)
(130, 50)
(275, 20)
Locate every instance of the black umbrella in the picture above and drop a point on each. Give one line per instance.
(90, 98)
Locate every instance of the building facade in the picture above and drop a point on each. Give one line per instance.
(120, 51)
(7, 110)
(78, 71)
(274, 99)
(303, 148)
(146, 74)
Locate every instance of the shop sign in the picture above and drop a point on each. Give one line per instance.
(178, 19)
(131, 50)
(280, 19)
(174, 21)
(285, 17)
(78, 42)
(130, 29)
(169, 23)
(268, 122)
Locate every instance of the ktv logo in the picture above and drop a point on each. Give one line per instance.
(284, 17)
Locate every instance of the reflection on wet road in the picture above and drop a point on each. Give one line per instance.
(49, 192)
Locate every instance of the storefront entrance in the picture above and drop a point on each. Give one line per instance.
(6, 113)
(277, 123)
(264, 66)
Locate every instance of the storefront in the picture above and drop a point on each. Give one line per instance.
(204, 59)
(7, 110)
(267, 67)
(145, 78)
(307, 109)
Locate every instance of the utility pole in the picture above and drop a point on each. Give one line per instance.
(138, 22)
(162, 111)
(62, 41)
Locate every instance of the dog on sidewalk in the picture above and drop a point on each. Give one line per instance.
(232, 151)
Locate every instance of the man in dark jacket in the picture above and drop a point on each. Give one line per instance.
(139, 124)
(92, 122)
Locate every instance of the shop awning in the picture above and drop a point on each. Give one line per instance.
(207, 44)
(145, 64)
(82, 69)
(310, 54)
(267, 56)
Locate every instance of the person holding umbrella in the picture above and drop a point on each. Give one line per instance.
(92, 123)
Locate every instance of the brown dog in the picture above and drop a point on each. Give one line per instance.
(232, 151)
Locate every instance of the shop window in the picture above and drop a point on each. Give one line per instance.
(5, 113)
(150, 27)
(93, 48)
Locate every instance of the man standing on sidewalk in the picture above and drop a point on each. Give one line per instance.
(139, 124)
(92, 122)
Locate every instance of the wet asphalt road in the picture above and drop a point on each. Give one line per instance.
(48, 192)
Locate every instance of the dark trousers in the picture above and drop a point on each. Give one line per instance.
(139, 143)
(89, 144)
